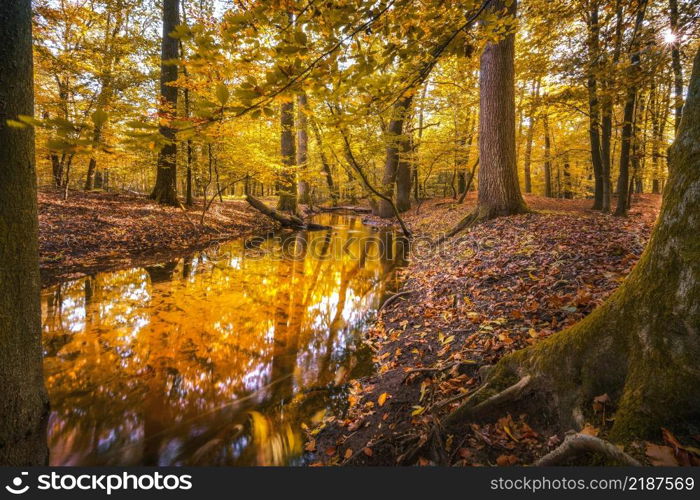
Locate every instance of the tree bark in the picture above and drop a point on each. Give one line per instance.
(676, 63)
(547, 158)
(629, 117)
(165, 190)
(607, 106)
(499, 191)
(593, 104)
(23, 400)
(394, 138)
(403, 176)
(303, 146)
(327, 172)
(642, 345)
(529, 137)
(288, 185)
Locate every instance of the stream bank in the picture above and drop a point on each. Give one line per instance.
(502, 286)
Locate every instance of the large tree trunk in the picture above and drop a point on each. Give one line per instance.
(394, 138)
(165, 190)
(499, 191)
(642, 345)
(288, 184)
(23, 401)
(593, 105)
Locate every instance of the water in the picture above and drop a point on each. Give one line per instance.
(219, 358)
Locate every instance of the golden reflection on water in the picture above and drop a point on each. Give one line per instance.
(217, 358)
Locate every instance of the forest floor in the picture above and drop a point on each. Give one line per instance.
(499, 287)
(95, 231)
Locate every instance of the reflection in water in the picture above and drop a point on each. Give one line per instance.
(218, 358)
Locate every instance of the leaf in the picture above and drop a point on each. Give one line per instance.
(368, 451)
(382, 399)
(506, 460)
(417, 410)
(311, 445)
(99, 117)
(222, 93)
(589, 430)
(661, 456)
(348, 453)
(16, 124)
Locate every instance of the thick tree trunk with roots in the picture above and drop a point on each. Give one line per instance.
(642, 345)
(23, 401)
(165, 190)
(499, 190)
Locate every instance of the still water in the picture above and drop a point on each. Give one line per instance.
(219, 358)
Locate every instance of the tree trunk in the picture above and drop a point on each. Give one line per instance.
(165, 190)
(607, 117)
(642, 345)
(403, 176)
(288, 184)
(23, 400)
(676, 63)
(527, 171)
(547, 158)
(628, 118)
(332, 188)
(499, 191)
(303, 146)
(593, 105)
(394, 140)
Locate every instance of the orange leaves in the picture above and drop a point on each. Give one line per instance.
(382, 399)
(506, 460)
(674, 454)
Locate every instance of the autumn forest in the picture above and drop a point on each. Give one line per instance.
(350, 232)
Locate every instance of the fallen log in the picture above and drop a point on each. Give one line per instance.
(359, 210)
(287, 220)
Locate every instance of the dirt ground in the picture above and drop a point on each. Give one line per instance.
(95, 231)
(501, 286)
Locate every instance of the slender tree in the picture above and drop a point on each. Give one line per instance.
(23, 401)
(676, 63)
(165, 190)
(594, 104)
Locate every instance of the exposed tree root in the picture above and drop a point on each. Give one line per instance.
(471, 411)
(578, 444)
(391, 299)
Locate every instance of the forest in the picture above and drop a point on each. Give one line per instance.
(350, 232)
